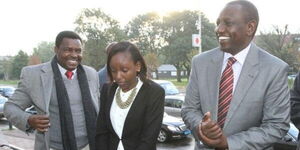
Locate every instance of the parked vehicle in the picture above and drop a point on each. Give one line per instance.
(173, 104)
(169, 87)
(172, 128)
(2, 101)
(7, 91)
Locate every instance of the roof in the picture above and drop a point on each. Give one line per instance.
(166, 67)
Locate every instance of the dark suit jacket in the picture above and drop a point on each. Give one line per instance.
(295, 104)
(142, 123)
(103, 77)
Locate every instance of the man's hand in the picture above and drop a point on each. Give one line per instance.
(39, 122)
(211, 134)
(210, 128)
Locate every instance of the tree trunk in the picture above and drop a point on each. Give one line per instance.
(178, 75)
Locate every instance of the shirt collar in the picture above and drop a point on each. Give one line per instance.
(240, 56)
(63, 70)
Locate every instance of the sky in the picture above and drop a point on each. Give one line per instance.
(25, 23)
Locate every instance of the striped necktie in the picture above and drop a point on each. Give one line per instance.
(225, 91)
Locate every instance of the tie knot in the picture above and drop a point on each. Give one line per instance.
(69, 74)
(231, 61)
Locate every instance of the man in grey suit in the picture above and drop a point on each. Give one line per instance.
(237, 97)
(65, 95)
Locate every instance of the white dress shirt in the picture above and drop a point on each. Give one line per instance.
(63, 72)
(118, 115)
(238, 65)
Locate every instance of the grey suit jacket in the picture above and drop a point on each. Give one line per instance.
(259, 113)
(35, 89)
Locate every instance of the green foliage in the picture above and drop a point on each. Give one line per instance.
(146, 31)
(178, 28)
(19, 61)
(9, 82)
(99, 29)
(44, 50)
(291, 83)
(5, 68)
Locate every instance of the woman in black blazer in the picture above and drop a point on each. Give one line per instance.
(131, 107)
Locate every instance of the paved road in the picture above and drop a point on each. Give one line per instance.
(22, 140)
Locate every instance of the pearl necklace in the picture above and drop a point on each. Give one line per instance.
(120, 103)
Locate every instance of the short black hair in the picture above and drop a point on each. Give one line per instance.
(66, 34)
(249, 10)
(136, 56)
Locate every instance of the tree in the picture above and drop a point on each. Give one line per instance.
(34, 60)
(99, 29)
(6, 68)
(281, 43)
(146, 31)
(178, 28)
(152, 63)
(44, 50)
(19, 61)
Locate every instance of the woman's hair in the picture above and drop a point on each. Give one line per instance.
(136, 56)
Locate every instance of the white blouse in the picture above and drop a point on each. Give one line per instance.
(118, 115)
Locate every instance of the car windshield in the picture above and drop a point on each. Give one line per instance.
(170, 88)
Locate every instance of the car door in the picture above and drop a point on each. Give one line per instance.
(169, 106)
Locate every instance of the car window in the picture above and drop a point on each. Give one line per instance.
(178, 103)
(175, 103)
(169, 103)
(169, 88)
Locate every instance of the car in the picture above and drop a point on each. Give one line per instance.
(2, 101)
(169, 87)
(173, 104)
(172, 128)
(7, 91)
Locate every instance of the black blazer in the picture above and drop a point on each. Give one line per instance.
(142, 123)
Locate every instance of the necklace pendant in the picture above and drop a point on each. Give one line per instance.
(125, 104)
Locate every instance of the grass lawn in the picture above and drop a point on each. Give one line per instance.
(9, 82)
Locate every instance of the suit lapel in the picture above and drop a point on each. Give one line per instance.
(213, 76)
(112, 89)
(47, 84)
(247, 76)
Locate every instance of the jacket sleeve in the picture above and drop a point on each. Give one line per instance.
(14, 108)
(191, 112)
(154, 116)
(102, 131)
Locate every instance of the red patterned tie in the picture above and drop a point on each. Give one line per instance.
(69, 74)
(225, 91)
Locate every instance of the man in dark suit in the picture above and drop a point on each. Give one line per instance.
(65, 95)
(237, 97)
(295, 105)
(103, 78)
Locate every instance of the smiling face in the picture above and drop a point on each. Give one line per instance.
(233, 31)
(69, 53)
(124, 70)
